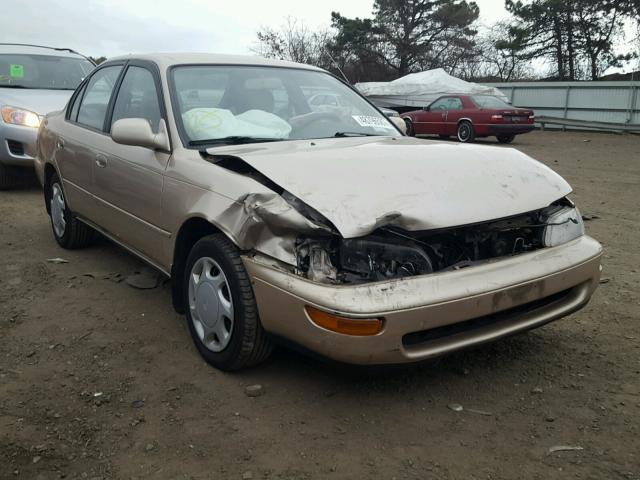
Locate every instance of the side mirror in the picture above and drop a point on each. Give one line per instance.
(400, 123)
(427, 108)
(137, 132)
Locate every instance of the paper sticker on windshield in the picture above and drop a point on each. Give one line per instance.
(371, 121)
(16, 71)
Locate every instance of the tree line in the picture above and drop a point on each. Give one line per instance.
(567, 39)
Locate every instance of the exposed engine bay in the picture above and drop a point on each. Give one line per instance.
(390, 252)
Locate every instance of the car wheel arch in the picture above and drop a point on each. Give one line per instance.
(49, 171)
(465, 119)
(192, 229)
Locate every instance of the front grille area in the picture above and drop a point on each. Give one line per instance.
(437, 333)
(16, 148)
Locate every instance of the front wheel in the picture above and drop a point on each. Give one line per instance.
(410, 131)
(505, 138)
(14, 177)
(221, 307)
(466, 132)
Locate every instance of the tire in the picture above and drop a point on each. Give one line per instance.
(14, 177)
(444, 137)
(226, 343)
(466, 133)
(505, 138)
(410, 131)
(6, 177)
(69, 232)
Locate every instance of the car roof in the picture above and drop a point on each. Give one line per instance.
(165, 60)
(26, 49)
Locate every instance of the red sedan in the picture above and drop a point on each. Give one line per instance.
(469, 117)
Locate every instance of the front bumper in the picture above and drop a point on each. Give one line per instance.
(430, 315)
(17, 144)
(510, 129)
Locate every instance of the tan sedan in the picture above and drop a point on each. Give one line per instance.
(323, 226)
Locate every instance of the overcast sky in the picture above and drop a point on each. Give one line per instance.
(114, 27)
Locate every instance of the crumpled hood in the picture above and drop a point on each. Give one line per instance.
(362, 183)
(36, 100)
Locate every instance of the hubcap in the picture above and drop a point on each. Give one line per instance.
(210, 304)
(57, 210)
(463, 133)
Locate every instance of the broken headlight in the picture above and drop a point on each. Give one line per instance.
(563, 226)
(375, 259)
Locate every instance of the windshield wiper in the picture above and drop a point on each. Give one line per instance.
(354, 134)
(232, 140)
(13, 86)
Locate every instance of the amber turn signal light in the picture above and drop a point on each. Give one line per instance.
(346, 326)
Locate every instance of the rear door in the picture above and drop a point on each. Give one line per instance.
(128, 179)
(82, 137)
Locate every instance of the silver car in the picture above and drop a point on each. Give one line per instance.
(34, 81)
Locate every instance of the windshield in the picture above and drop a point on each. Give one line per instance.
(240, 104)
(489, 101)
(42, 71)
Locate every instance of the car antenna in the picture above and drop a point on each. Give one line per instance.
(335, 64)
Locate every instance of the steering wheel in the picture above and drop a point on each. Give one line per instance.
(304, 120)
(332, 123)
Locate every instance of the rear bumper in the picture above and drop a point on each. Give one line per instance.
(431, 315)
(508, 129)
(17, 144)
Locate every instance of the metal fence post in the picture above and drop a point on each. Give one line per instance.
(633, 91)
(566, 106)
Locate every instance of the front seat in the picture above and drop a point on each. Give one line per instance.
(260, 99)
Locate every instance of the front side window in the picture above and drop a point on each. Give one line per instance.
(138, 98)
(95, 100)
(49, 72)
(447, 103)
(214, 102)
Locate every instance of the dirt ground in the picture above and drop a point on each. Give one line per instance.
(99, 380)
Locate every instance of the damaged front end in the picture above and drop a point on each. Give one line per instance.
(298, 238)
(389, 252)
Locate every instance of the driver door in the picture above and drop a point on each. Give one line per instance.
(433, 119)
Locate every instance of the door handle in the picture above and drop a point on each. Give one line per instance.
(101, 161)
(60, 144)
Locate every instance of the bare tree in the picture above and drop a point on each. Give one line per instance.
(294, 41)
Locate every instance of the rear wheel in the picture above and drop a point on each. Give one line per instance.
(222, 313)
(68, 231)
(466, 132)
(504, 138)
(410, 131)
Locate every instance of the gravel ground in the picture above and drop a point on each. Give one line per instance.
(99, 380)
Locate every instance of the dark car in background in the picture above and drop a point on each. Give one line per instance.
(34, 81)
(468, 117)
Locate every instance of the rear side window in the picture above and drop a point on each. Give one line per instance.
(95, 101)
(138, 98)
(73, 116)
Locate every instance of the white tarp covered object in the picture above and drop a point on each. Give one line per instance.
(422, 88)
